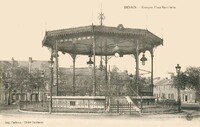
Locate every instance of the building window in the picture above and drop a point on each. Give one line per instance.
(186, 98)
(172, 96)
(72, 103)
(163, 95)
(168, 96)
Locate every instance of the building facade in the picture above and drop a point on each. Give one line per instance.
(164, 90)
(10, 90)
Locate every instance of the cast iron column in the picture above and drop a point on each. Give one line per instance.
(94, 65)
(137, 74)
(56, 56)
(106, 68)
(106, 73)
(74, 61)
(152, 85)
(137, 67)
(179, 95)
(51, 82)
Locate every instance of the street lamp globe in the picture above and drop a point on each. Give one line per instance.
(131, 75)
(178, 68)
(51, 64)
(90, 62)
(143, 59)
(42, 74)
(117, 54)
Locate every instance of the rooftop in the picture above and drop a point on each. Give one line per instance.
(164, 81)
(79, 40)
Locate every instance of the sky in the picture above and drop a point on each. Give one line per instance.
(24, 22)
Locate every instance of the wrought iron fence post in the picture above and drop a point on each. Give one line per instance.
(141, 103)
(117, 106)
(20, 105)
(130, 108)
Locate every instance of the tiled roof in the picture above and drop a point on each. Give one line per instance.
(35, 63)
(164, 81)
(98, 28)
(79, 39)
(78, 71)
(69, 31)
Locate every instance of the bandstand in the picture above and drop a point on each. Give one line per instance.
(101, 41)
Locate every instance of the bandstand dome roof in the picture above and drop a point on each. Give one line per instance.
(80, 40)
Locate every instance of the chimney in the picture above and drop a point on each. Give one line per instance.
(172, 75)
(30, 59)
(13, 59)
(29, 64)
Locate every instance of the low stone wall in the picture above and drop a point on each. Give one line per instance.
(77, 104)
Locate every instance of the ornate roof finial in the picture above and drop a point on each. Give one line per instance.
(101, 17)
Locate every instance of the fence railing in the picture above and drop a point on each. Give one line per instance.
(44, 107)
(123, 108)
(160, 108)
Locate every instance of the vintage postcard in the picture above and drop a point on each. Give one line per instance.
(99, 63)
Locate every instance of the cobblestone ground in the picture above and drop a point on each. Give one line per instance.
(10, 116)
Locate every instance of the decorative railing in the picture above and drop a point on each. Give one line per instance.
(159, 108)
(58, 107)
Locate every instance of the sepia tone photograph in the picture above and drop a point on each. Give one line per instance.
(99, 63)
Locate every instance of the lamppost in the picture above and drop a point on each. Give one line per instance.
(178, 69)
(90, 62)
(143, 59)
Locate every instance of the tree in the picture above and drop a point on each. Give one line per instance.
(16, 78)
(190, 78)
(13, 78)
(83, 83)
(8, 70)
(114, 80)
(181, 81)
(193, 80)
